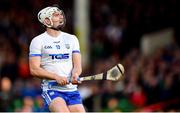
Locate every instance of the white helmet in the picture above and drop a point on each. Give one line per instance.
(47, 13)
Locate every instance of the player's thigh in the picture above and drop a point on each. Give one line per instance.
(58, 105)
(76, 108)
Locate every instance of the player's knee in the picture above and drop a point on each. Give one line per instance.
(76, 108)
(58, 105)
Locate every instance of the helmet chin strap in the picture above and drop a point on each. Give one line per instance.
(58, 28)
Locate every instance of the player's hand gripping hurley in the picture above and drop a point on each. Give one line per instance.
(113, 74)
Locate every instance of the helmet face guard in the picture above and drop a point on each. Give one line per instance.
(47, 13)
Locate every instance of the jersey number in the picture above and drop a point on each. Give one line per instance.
(58, 46)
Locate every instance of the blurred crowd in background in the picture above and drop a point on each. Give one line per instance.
(116, 29)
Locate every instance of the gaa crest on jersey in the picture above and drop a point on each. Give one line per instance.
(67, 46)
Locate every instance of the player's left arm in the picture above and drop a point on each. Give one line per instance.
(76, 60)
(77, 68)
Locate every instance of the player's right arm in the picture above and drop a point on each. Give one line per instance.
(37, 71)
(35, 62)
